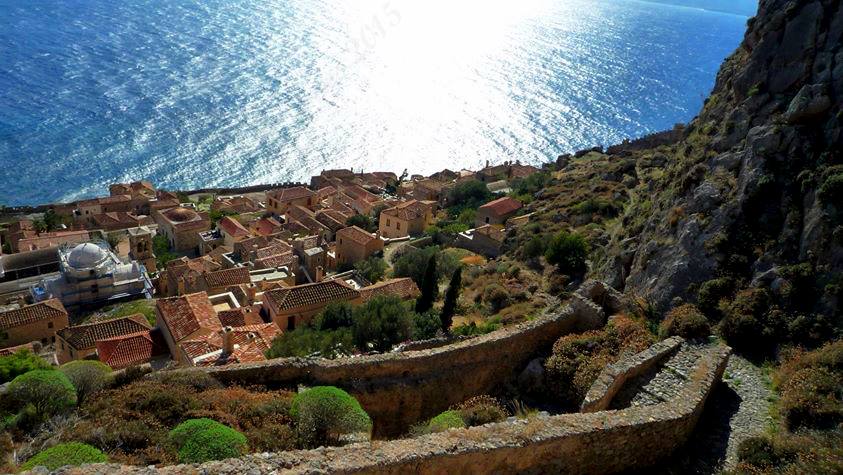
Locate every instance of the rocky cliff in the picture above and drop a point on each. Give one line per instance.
(755, 184)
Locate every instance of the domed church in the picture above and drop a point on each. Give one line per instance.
(90, 273)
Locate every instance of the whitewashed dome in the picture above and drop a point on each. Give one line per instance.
(86, 255)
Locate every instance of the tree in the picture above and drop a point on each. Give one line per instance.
(430, 287)
(73, 453)
(49, 392)
(324, 413)
(426, 325)
(49, 221)
(361, 221)
(468, 194)
(335, 316)
(86, 376)
(373, 268)
(381, 323)
(451, 297)
(22, 361)
(201, 440)
(161, 249)
(568, 252)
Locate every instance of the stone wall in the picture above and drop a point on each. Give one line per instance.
(583, 443)
(402, 388)
(614, 376)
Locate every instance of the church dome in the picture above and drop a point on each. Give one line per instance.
(86, 255)
(180, 215)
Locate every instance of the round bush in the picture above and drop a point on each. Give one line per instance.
(73, 453)
(568, 252)
(201, 440)
(757, 451)
(481, 410)
(324, 413)
(49, 391)
(446, 420)
(686, 321)
(86, 376)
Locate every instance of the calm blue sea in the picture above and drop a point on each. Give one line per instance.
(191, 93)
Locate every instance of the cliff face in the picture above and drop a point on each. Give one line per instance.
(751, 187)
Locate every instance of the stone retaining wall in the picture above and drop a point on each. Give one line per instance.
(402, 388)
(614, 376)
(584, 443)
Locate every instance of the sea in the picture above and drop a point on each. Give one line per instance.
(200, 93)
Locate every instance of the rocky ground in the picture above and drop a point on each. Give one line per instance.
(739, 408)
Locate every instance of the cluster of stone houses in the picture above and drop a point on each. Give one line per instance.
(266, 263)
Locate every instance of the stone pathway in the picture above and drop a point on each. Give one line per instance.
(738, 408)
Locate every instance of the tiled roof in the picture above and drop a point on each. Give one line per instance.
(226, 277)
(45, 310)
(355, 234)
(359, 193)
(179, 267)
(408, 211)
(404, 288)
(312, 225)
(310, 294)
(188, 314)
(14, 349)
(266, 226)
(286, 194)
(298, 212)
(250, 344)
(233, 227)
(131, 349)
(238, 317)
(84, 337)
(279, 260)
(502, 206)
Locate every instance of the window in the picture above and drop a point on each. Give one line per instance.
(49, 324)
(398, 225)
(487, 220)
(388, 223)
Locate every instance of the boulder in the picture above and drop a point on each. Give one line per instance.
(810, 103)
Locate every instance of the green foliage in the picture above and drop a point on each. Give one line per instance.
(757, 451)
(447, 420)
(685, 321)
(597, 206)
(362, 221)
(429, 287)
(534, 248)
(201, 440)
(20, 362)
(568, 252)
(577, 359)
(481, 410)
(530, 185)
(413, 263)
(86, 376)
(216, 215)
(426, 325)
(161, 249)
(711, 292)
(810, 385)
(452, 296)
(373, 268)
(335, 316)
(304, 341)
(72, 453)
(473, 329)
(469, 194)
(467, 217)
(49, 391)
(325, 413)
(49, 221)
(746, 325)
(497, 297)
(145, 307)
(381, 323)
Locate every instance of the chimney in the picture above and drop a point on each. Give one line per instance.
(227, 341)
(320, 273)
(251, 292)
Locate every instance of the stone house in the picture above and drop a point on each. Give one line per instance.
(49, 240)
(266, 226)
(279, 200)
(235, 204)
(297, 305)
(497, 211)
(404, 288)
(132, 349)
(181, 226)
(406, 219)
(87, 209)
(80, 342)
(118, 220)
(232, 231)
(487, 240)
(37, 322)
(354, 245)
(185, 323)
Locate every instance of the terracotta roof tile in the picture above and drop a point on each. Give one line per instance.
(286, 194)
(408, 211)
(84, 337)
(131, 349)
(356, 234)
(232, 227)
(502, 206)
(239, 317)
(45, 310)
(226, 277)
(310, 294)
(404, 288)
(188, 314)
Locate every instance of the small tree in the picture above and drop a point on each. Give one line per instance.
(86, 376)
(381, 323)
(201, 440)
(686, 321)
(335, 316)
(373, 268)
(361, 221)
(430, 287)
(73, 453)
(426, 325)
(22, 361)
(324, 413)
(568, 251)
(451, 297)
(49, 392)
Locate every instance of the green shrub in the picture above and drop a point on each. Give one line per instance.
(685, 321)
(568, 252)
(201, 440)
(86, 376)
(373, 268)
(535, 247)
(497, 297)
(336, 315)
(324, 413)
(304, 341)
(711, 292)
(831, 191)
(50, 392)
(72, 453)
(811, 399)
(195, 379)
(22, 361)
(447, 420)
(381, 323)
(426, 325)
(757, 451)
(746, 326)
